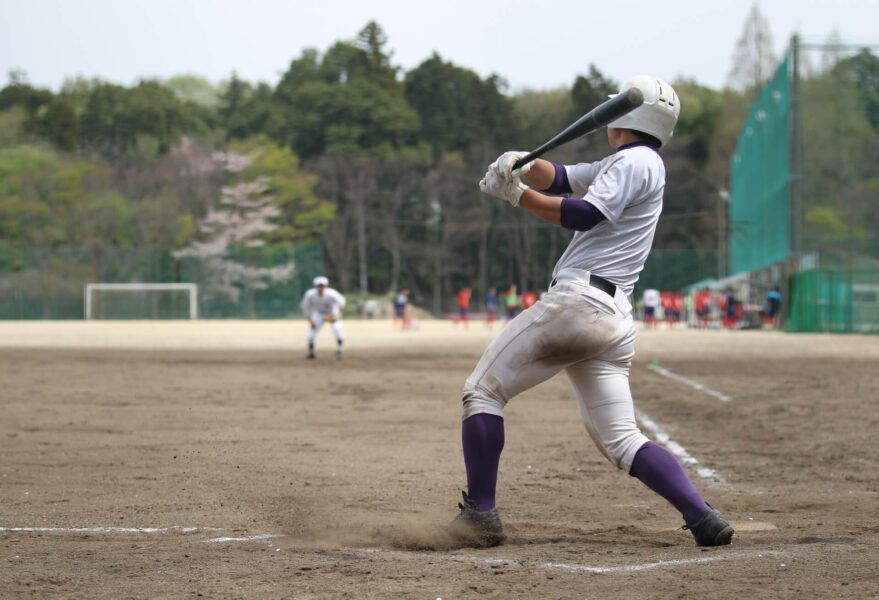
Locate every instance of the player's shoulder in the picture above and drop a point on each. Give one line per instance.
(639, 156)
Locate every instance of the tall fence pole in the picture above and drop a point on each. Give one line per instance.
(796, 171)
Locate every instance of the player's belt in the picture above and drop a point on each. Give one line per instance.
(603, 284)
(599, 282)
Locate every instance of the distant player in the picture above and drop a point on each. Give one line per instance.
(323, 304)
(773, 308)
(401, 300)
(730, 307)
(668, 311)
(651, 303)
(490, 306)
(677, 306)
(511, 303)
(529, 299)
(584, 325)
(703, 307)
(464, 306)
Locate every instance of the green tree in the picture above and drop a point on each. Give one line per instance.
(304, 216)
(347, 102)
(862, 70)
(115, 119)
(194, 89)
(457, 108)
(590, 90)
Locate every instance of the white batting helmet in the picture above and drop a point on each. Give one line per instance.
(659, 113)
(320, 280)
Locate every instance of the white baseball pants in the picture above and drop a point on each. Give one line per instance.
(318, 320)
(583, 331)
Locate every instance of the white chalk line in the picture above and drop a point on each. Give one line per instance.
(675, 448)
(107, 530)
(144, 530)
(245, 538)
(726, 555)
(690, 382)
(364, 552)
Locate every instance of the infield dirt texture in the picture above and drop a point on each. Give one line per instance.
(263, 475)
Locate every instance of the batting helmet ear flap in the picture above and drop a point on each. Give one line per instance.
(659, 113)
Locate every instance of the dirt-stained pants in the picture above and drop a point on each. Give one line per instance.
(585, 332)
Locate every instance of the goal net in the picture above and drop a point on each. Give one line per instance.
(140, 301)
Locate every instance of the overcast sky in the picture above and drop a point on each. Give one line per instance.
(529, 43)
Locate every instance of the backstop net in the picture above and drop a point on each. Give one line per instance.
(760, 176)
(805, 186)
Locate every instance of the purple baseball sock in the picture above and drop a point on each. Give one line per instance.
(661, 472)
(483, 439)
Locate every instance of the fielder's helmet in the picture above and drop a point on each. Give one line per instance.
(320, 280)
(659, 113)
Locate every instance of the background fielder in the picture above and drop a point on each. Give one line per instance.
(584, 323)
(319, 304)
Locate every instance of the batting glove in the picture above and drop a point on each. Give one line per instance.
(494, 184)
(506, 161)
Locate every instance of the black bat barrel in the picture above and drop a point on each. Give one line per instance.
(600, 116)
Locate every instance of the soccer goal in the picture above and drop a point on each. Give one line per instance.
(141, 301)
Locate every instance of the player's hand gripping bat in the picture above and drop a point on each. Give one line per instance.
(606, 112)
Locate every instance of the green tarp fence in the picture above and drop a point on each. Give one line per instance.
(834, 301)
(760, 180)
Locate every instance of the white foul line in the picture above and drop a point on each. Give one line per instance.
(175, 529)
(110, 530)
(247, 538)
(572, 568)
(648, 566)
(685, 457)
(690, 382)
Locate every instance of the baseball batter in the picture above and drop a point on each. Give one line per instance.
(323, 304)
(584, 324)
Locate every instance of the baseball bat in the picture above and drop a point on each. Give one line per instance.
(607, 112)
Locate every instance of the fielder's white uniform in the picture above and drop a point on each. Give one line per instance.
(323, 307)
(578, 328)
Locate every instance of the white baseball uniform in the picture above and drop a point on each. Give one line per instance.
(579, 328)
(323, 307)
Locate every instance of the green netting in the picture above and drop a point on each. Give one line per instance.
(260, 282)
(760, 180)
(845, 301)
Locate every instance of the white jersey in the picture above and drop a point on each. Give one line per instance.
(330, 303)
(627, 188)
(651, 298)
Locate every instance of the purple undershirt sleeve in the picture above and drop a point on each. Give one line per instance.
(580, 215)
(560, 183)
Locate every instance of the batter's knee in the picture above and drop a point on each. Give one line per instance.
(621, 449)
(476, 400)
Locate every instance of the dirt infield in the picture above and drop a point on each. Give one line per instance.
(209, 459)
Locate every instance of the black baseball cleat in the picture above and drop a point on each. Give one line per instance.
(712, 529)
(476, 528)
(311, 356)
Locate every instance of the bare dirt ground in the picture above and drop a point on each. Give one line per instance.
(217, 435)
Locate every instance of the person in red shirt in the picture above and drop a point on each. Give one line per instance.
(667, 307)
(528, 299)
(677, 304)
(464, 306)
(703, 307)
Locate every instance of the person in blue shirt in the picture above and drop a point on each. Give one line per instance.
(772, 312)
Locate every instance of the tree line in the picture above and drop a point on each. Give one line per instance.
(375, 164)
